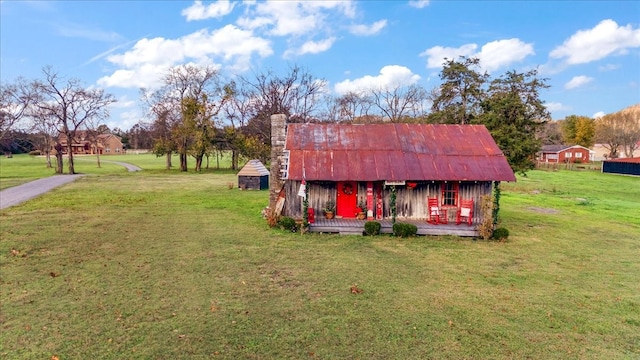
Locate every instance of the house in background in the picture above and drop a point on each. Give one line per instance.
(107, 144)
(365, 164)
(565, 154)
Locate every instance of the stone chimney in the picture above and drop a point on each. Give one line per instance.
(278, 136)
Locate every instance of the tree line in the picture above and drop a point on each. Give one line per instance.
(197, 112)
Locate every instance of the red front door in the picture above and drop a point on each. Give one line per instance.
(347, 198)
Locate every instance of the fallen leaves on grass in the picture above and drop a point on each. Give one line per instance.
(356, 290)
(54, 274)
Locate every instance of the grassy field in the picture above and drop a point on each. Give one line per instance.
(23, 168)
(164, 265)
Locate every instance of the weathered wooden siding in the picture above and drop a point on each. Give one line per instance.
(410, 204)
(253, 182)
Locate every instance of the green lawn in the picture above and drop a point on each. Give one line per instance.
(167, 265)
(22, 168)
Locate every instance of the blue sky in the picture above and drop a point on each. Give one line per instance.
(589, 50)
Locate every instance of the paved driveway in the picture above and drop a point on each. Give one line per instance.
(17, 194)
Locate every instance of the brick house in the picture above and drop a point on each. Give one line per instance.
(107, 144)
(565, 154)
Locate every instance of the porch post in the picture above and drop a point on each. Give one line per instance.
(369, 200)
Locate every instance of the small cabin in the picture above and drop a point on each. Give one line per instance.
(253, 176)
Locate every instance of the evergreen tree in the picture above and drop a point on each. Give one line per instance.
(513, 113)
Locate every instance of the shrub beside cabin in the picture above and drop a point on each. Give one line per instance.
(361, 164)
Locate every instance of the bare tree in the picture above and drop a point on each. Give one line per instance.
(94, 134)
(609, 134)
(163, 117)
(71, 105)
(630, 127)
(46, 128)
(237, 112)
(399, 102)
(350, 106)
(296, 94)
(15, 100)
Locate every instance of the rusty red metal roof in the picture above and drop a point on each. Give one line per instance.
(394, 152)
(634, 160)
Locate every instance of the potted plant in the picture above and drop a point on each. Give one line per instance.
(329, 209)
(361, 211)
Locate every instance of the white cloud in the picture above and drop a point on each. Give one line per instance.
(604, 39)
(556, 106)
(124, 102)
(151, 57)
(366, 30)
(419, 3)
(218, 9)
(577, 82)
(390, 76)
(312, 47)
(142, 76)
(437, 54)
(125, 120)
(285, 18)
(493, 55)
(598, 115)
(501, 53)
(608, 67)
(300, 22)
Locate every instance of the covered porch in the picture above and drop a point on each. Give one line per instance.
(345, 226)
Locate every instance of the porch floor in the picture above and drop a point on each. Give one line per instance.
(344, 226)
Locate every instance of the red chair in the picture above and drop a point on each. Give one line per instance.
(465, 212)
(433, 209)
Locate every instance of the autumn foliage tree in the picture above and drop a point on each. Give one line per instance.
(578, 130)
(184, 110)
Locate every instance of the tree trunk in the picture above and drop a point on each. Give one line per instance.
(183, 162)
(199, 163)
(48, 156)
(98, 156)
(168, 162)
(234, 160)
(70, 155)
(59, 160)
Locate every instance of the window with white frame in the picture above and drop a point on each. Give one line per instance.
(568, 154)
(578, 155)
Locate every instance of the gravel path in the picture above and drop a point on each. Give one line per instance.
(129, 167)
(18, 194)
